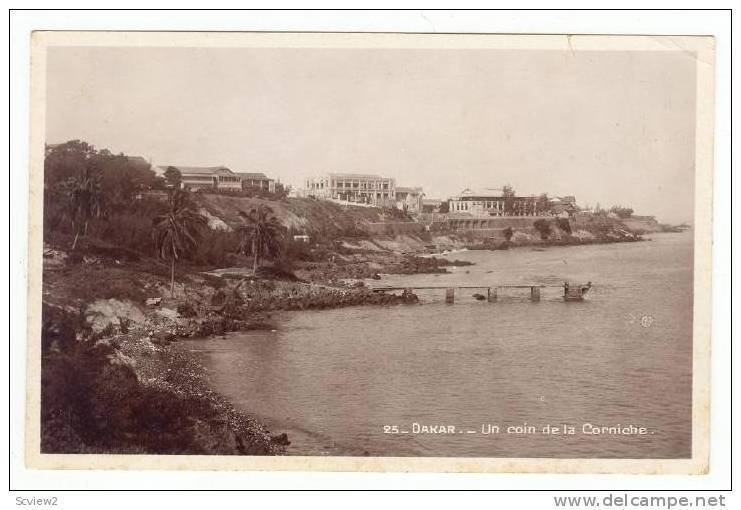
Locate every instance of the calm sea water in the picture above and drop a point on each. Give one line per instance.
(333, 379)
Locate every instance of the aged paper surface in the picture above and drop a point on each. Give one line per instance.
(698, 50)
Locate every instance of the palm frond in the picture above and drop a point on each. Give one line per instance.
(177, 231)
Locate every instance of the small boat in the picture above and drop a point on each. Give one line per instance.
(575, 292)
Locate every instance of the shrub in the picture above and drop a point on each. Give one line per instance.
(217, 282)
(90, 405)
(297, 251)
(125, 324)
(425, 236)
(186, 309)
(563, 224)
(543, 227)
(279, 271)
(217, 249)
(130, 226)
(621, 212)
(93, 283)
(508, 233)
(60, 328)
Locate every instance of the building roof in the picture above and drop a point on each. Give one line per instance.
(403, 189)
(254, 175)
(486, 193)
(563, 206)
(357, 176)
(563, 200)
(482, 192)
(199, 170)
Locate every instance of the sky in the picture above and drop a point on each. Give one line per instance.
(607, 127)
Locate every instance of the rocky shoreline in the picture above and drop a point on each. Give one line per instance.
(231, 432)
(124, 320)
(548, 243)
(129, 393)
(120, 323)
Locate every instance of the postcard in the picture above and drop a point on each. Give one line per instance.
(370, 252)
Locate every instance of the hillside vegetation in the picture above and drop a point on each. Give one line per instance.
(302, 215)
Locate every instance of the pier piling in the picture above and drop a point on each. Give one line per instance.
(535, 294)
(491, 294)
(450, 295)
(571, 292)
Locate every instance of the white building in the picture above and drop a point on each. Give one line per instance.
(409, 199)
(200, 177)
(257, 181)
(361, 188)
(492, 202)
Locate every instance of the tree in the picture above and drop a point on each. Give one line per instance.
(444, 207)
(177, 231)
(84, 200)
(65, 161)
(543, 227)
(79, 178)
(543, 204)
(262, 235)
(282, 190)
(508, 193)
(621, 212)
(563, 224)
(173, 176)
(530, 206)
(123, 177)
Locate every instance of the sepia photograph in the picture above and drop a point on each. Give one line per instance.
(370, 252)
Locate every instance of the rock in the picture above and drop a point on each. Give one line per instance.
(214, 222)
(54, 258)
(163, 338)
(407, 296)
(281, 439)
(119, 358)
(155, 301)
(218, 438)
(168, 313)
(102, 313)
(186, 309)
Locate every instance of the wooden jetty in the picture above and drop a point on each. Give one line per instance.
(571, 292)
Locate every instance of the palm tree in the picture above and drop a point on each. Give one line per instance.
(508, 192)
(262, 235)
(176, 232)
(84, 200)
(173, 176)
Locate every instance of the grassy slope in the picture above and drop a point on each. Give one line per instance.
(301, 214)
